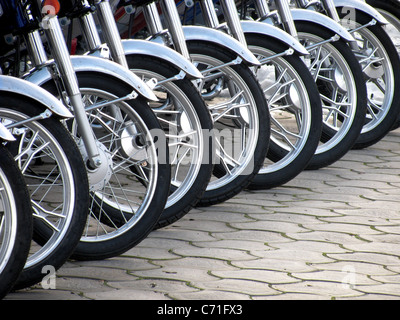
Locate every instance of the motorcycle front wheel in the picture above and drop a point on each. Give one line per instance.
(129, 191)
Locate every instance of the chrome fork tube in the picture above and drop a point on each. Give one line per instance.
(232, 18)
(110, 31)
(262, 8)
(209, 15)
(61, 56)
(329, 6)
(285, 15)
(89, 30)
(35, 48)
(152, 17)
(175, 26)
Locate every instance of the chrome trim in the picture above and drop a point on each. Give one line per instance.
(96, 64)
(32, 91)
(199, 33)
(323, 21)
(266, 29)
(161, 51)
(364, 7)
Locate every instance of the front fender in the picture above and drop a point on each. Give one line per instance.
(220, 38)
(363, 7)
(32, 91)
(148, 48)
(323, 21)
(274, 32)
(96, 64)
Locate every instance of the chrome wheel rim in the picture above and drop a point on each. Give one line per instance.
(236, 121)
(289, 106)
(339, 99)
(131, 177)
(379, 75)
(49, 180)
(184, 133)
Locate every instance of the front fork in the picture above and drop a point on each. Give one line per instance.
(65, 72)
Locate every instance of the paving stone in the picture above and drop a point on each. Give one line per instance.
(392, 289)
(118, 263)
(391, 249)
(387, 279)
(367, 269)
(292, 217)
(374, 258)
(153, 285)
(252, 235)
(294, 253)
(266, 276)
(175, 273)
(216, 253)
(95, 273)
(305, 249)
(126, 295)
(368, 217)
(346, 276)
(172, 232)
(342, 227)
(154, 253)
(327, 236)
(227, 217)
(324, 289)
(40, 294)
(205, 264)
(273, 226)
(234, 244)
(283, 265)
(246, 287)
(203, 225)
(79, 284)
(209, 295)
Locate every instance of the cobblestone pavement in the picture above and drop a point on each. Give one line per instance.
(328, 234)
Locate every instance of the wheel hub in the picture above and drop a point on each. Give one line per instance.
(100, 176)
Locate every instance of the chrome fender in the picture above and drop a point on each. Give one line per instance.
(100, 65)
(32, 91)
(274, 32)
(148, 48)
(363, 7)
(323, 21)
(200, 33)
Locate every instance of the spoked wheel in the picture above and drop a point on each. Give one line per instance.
(391, 11)
(15, 222)
(295, 109)
(380, 63)
(187, 123)
(130, 188)
(241, 120)
(57, 183)
(342, 91)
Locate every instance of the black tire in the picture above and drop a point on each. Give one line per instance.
(285, 166)
(391, 109)
(93, 247)
(12, 264)
(55, 255)
(185, 202)
(232, 188)
(346, 140)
